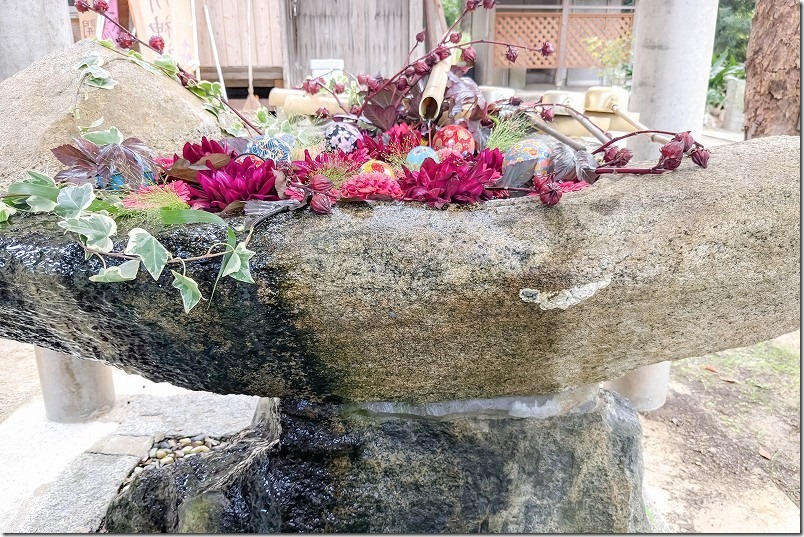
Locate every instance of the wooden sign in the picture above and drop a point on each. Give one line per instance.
(173, 21)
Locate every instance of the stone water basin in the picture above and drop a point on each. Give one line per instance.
(401, 302)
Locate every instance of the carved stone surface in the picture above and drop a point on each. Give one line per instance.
(326, 468)
(400, 302)
(36, 109)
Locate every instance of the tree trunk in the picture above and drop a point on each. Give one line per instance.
(773, 70)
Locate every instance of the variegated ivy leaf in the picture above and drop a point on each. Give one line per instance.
(122, 273)
(154, 256)
(190, 294)
(40, 205)
(243, 272)
(95, 228)
(74, 199)
(111, 136)
(6, 211)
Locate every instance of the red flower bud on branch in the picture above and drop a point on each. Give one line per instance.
(362, 79)
(421, 68)
(469, 54)
(472, 5)
(442, 52)
(125, 40)
(672, 153)
(515, 101)
(321, 203)
(551, 194)
(322, 112)
(511, 54)
(339, 88)
(547, 114)
(615, 157)
(402, 83)
(547, 48)
(156, 42)
(420, 37)
(101, 6)
(431, 59)
(82, 6)
(686, 139)
(488, 4)
(455, 37)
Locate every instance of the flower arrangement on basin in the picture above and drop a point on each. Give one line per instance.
(423, 135)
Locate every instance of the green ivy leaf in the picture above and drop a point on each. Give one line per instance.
(72, 200)
(6, 211)
(95, 228)
(190, 294)
(93, 60)
(168, 65)
(154, 256)
(137, 58)
(189, 216)
(37, 178)
(108, 43)
(102, 83)
(243, 272)
(111, 136)
(94, 125)
(122, 273)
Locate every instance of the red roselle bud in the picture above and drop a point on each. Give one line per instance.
(511, 54)
(472, 5)
(410, 71)
(101, 6)
(455, 37)
(322, 112)
(515, 101)
(82, 6)
(672, 153)
(547, 113)
(701, 157)
(547, 48)
(550, 195)
(321, 203)
(420, 37)
(373, 84)
(320, 183)
(469, 54)
(540, 182)
(488, 4)
(156, 42)
(362, 79)
(402, 83)
(338, 88)
(355, 110)
(431, 59)
(442, 52)
(686, 139)
(616, 157)
(125, 40)
(421, 68)
(311, 86)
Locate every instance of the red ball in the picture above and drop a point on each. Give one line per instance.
(454, 137)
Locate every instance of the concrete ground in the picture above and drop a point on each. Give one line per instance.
(721, 456)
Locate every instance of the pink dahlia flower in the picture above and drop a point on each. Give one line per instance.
(371, 186)
(175, 194)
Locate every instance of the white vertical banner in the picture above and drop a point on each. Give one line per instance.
(173, 21)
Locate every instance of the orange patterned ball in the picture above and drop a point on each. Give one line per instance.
(454, 137)
(377, 166)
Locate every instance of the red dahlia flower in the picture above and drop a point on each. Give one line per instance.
(237, 181)
(195, 152)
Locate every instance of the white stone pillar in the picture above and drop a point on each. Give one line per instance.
(30, 30)
(672, 58)
(74, 390)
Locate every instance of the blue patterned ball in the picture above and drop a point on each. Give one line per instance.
(341, 136)
(268, 147)
(418, 155)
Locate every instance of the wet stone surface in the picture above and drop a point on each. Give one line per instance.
(399, 302)
(333, 469)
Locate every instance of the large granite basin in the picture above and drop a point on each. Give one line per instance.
(400, 302)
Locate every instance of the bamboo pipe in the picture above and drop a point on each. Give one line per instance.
(611, 100)
(433, 95)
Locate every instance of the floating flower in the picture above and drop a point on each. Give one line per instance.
(237, 181)
(173, 195)
(335, 165)
(371, 186)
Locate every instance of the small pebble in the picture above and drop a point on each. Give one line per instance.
(171, 443)
(178, 454)
(167, 460)
(187, 449)
(190, 455)
(151, 466)
(161, 453)
(185, 441)
(164, 444)
(197, 449)
(138, 470)
(152, 453)
(158, 437)
(198, 443)
(199, 437)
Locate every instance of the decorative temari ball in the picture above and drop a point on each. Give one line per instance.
(454, 137)
(418, 155)
(537, 149)
(341, 136)
(270, 147)
(377, 166)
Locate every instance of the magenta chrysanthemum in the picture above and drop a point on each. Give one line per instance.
(371, 186)
(195, 152)
(237, 181)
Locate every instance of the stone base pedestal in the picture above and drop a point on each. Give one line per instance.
(74, 390)
(493, 465)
